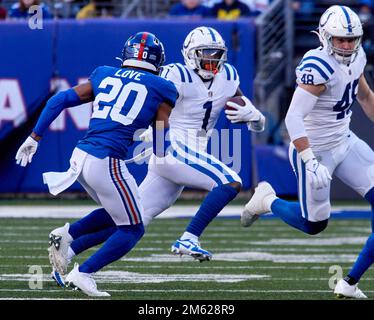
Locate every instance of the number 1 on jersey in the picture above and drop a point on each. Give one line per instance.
(208, 109)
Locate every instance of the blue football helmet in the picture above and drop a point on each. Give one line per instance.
(143, 50)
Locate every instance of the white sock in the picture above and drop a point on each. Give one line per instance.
(190, 236)
(269, 201)
(71, 253)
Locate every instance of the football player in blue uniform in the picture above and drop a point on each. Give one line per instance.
(124, 99)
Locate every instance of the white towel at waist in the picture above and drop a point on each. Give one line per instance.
(60, 181)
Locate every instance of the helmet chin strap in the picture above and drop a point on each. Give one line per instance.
(318, 35)
(345, 60)
(326, 43)
(204, 75)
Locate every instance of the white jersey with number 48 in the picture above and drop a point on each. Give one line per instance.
(199, 104)
(327, 125)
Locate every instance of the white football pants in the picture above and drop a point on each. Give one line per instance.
(111, 185)
(181, 167)
(352, 162)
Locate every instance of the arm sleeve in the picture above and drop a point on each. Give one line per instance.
(302, 104)
(54, 106)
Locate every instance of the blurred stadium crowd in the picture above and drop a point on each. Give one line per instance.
(82, 9)
(307, 12)
(306, 16)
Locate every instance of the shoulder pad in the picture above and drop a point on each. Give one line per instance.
(164, 70)
(315, 68)
(176, 72)
(184, 73)
(97, 71)
(231, 73)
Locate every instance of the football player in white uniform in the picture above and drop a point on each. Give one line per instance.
(329, 79)
(204, 84)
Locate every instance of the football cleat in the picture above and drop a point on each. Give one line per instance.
(84, 282)
(59, 242)
(344, 290)
(259, 204)
(58, 278)
(192, 248)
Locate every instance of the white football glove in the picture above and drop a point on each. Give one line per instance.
(246, 113)
(147, 135)
(26, 151)
(318, 175)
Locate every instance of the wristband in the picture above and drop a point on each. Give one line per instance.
(307, 155)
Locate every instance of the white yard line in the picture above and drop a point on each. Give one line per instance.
(121, 277)
(216, 250)
(80, 211)
(201, 267)
(179, 290)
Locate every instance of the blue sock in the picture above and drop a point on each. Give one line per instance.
(91, 239)
(290, 213)
(366, 257)
(364, 260)
(97, 220)
(214, 202)
(369, 196)
(117, 245)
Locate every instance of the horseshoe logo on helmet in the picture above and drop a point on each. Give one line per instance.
(327, 19)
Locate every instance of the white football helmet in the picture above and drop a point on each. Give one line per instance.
(342, 22)
(205, 51)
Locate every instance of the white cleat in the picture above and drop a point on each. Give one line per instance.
(344, 290)
(84, 282)
(59, 242)
(259, 204)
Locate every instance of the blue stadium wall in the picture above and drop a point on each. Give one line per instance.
(70, 51)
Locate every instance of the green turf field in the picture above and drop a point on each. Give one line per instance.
(268, 261)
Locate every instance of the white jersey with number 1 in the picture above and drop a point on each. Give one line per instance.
(199, 104)
(191, 121)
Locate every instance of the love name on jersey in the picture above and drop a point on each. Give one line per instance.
(131, 74)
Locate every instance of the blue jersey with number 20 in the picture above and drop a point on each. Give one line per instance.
(126, 100)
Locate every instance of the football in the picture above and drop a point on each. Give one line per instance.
(238, 100)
